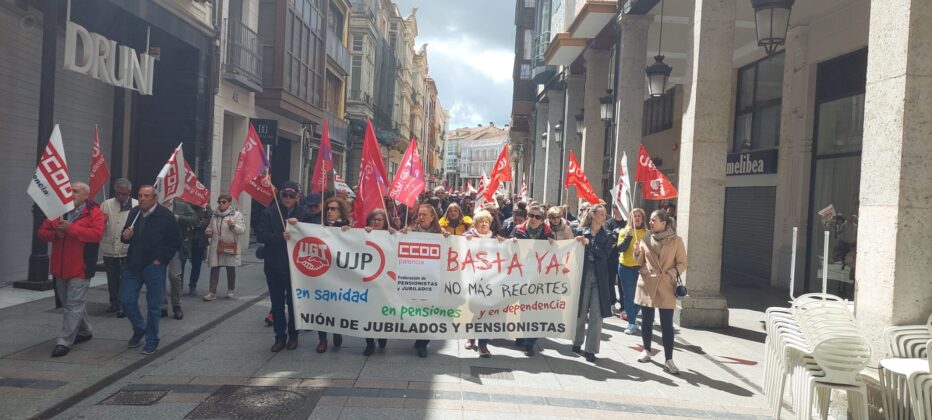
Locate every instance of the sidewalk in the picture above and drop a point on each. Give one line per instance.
(31, 381)
(229, 371)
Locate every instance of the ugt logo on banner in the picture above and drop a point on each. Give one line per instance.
(313, 258)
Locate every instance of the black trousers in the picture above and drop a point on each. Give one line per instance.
(114, 267)
(666, 328)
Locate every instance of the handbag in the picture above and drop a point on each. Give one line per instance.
(680, 289)
(226, 247)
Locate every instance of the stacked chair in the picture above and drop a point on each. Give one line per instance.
(905, 373)
(816, 346)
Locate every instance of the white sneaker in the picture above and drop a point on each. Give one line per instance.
(669, 366)
(644, 357)
(230, 295)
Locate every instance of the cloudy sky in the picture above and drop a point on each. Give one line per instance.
(470, 50)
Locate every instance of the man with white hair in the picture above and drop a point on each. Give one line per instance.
(114, 251)
(75, 239)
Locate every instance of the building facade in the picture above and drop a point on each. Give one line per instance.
(469, 151)
(812, 137)
(46, 78)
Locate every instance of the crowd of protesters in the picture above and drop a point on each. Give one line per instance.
(629, 268)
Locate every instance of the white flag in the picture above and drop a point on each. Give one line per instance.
(621, 197)
(524, 196)
(170, 179)
(51, 186)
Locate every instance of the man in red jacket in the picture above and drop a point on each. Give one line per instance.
(75, 238)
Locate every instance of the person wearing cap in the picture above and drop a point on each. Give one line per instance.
(312, 204)
(271, 232)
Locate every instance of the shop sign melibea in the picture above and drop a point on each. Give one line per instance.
(97, 57)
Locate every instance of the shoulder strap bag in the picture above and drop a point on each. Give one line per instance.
(680, 289)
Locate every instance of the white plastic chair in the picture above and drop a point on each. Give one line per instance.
(907, 355)
(920, 387)
(839, 360)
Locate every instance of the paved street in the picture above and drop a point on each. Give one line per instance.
(216, 363)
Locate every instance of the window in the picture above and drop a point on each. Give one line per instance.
(658, 114)
(356, 77)
(525, 72)
(530, 3)
(358, 42)
(303, 41)
(528, 38)
(758, 104)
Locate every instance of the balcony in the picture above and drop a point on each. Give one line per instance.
(362, 10)
(564, 49)
(592, 18)
(242, 60)
(359, 96)
(337, 52)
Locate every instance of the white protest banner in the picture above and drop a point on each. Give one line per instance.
(425, 286)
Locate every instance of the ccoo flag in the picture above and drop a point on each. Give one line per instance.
(251, 166)
(171, 179)
(409, 181)
(51, 185)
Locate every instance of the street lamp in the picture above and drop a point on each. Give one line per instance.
(579, 123)
(772, 18)
(558, 132)
(543, 140)
(657, 75)
(607, 106)
(659, 72)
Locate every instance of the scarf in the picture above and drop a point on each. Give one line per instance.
(657, 240)
(222, 214)
(535, 233)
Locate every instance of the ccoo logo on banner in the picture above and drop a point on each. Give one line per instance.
(424, 286)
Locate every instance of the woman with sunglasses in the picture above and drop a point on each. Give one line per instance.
(376, 220)
(336, 214)
(427, 221)
(225, 227)
(533, 228)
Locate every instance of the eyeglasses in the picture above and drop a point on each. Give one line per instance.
(222, 201)
(289, 194)
(333, 208)
(536, 216)
(557, 219)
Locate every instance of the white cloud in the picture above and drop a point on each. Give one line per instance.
(495, 64)
(464, 115)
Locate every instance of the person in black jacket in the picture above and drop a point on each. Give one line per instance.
(336, 214)
(271, 232)
(153, 237)
(594, 298)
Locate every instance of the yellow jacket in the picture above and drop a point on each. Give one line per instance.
(460, 229)
(626, 258)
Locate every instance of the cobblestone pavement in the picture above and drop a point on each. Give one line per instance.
(216, 363)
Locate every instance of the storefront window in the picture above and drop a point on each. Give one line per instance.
(836, 176)
(757, 108)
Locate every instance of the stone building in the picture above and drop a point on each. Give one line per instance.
(825, 129)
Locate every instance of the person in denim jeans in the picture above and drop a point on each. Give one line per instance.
(628, 240)
(153, 237)
(271, 232)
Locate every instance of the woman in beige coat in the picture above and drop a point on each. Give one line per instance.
(661, 257)
(224, 229)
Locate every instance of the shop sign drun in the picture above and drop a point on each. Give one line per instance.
(94, 55)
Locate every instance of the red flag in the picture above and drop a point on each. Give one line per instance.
(654, 184)
(646, 170)
(251, 164)
(577, 177)
(99, 171)
(260, 189)
(324, 162)
(501, 172)
(194, 192)
(409, 181)
(372, 179)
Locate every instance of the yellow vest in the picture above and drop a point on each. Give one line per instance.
(626, 258)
